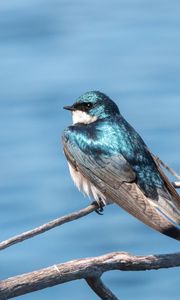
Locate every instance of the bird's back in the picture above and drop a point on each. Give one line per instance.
(122, 138)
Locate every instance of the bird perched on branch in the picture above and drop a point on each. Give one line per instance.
(110, 163)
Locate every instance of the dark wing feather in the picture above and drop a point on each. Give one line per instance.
(169, 201)
(168, 184)
(112, 171)
(115, 178)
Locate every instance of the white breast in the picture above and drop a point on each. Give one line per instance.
(79, 116)
(86, 187)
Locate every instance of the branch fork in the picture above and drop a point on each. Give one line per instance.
(89, 269)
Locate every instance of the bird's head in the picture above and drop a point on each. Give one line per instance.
(92, 106)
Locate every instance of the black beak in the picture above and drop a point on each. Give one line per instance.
(71, 108)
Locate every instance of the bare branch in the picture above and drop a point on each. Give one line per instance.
(45, 227)
(100, 289)
(84, 269)
(90, 269)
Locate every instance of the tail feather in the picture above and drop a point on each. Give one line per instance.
(143, 209)
(169, 199)
(172, 232)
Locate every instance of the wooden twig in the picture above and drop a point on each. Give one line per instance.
(100, 289)
(84, 269)
(45, 227)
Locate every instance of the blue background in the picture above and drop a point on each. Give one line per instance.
(51, 52)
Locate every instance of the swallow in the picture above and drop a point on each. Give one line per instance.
(110, 163)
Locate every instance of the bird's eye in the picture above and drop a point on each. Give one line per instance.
(83, 106)
(89, 105)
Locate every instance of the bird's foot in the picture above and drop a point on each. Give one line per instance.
(100, 206)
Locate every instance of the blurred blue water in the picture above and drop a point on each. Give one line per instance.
(51, 52)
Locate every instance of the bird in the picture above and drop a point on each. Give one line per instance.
(110, 163)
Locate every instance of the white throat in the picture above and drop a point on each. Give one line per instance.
(79, 116)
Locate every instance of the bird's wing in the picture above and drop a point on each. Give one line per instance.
(114, 177)
(168, 184)
(168, 198)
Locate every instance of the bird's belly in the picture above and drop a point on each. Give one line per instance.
(86, 187)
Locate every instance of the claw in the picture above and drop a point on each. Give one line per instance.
(100, 206)
(99, 211)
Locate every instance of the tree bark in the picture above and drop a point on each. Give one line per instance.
(87, 269)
